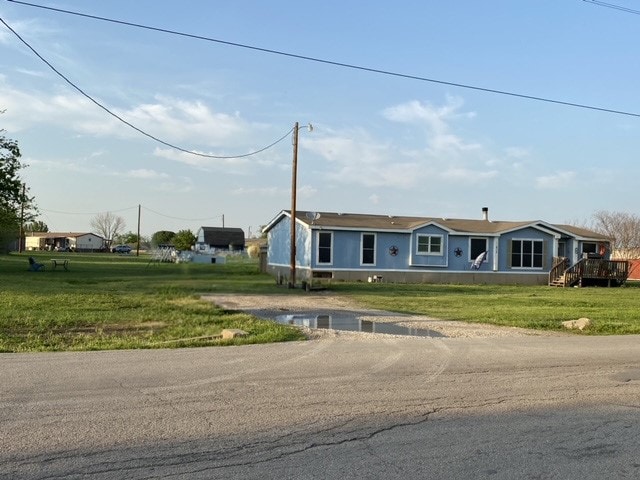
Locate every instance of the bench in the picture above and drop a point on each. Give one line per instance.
(62, 262)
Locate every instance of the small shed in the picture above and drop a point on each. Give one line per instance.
(220, 238)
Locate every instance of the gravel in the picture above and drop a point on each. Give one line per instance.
(327, 302)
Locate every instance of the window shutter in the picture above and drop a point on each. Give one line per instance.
(509, 250)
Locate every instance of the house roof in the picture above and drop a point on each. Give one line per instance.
(60, 234)
(223, 235)
(357, 221)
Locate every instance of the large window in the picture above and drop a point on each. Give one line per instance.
(476, 247)
(325, 247)
(429, 245)
(368, 255)
(589, 247)
(527, 253)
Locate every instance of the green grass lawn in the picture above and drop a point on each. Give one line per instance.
(109, 301)
(612, 310)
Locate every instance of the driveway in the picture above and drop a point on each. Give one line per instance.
(499, 407)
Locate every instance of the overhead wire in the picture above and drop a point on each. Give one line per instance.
(335, 63)
(129, 124)
(613, 6)
(180, 218)
(135, 207)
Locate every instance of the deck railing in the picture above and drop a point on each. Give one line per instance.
(560, 264)
(597, 270)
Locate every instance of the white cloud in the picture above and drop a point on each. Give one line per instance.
(436, 122)
(230, 165)
(303, 191)
(556, 180)
(439, 155)
(145, 174)
(260, 192)
(185, 123)
(516, 152)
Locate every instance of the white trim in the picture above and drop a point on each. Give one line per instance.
(318, 262)
(521, 253)
(429, 253)
(425, 269)
(375, 249)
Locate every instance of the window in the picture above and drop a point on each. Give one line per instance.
(476, 247)
(325, 241)
(429, 245)
(368, 255)
(589, 247)
(526, 253)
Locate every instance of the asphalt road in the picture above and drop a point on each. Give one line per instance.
(565, 407)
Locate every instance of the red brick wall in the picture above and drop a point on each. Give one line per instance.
(634, 269)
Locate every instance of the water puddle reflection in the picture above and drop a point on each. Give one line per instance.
(351, 323)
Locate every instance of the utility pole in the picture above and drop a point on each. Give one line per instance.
(138, 246)
(294, 186)
(21, 218)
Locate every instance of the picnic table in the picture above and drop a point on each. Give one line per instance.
(60, 262)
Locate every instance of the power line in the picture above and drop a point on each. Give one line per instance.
(613, 6)
(336, 63)
(183, 219)
(134, 208)
(88, 213)
(129, 124)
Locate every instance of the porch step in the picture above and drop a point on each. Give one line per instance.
(558, 282)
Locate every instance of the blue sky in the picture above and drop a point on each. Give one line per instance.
(381, 144)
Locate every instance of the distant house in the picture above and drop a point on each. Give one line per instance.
(212, 239)
(78, 242)
(360, 247)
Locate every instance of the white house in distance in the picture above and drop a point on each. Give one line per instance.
(77, 242)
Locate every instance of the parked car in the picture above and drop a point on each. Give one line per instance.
(121, 249)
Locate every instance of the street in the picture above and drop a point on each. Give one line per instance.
(562, 406)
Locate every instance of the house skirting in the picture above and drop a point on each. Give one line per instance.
(411, 276)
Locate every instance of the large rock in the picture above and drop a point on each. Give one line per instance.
(233, 333)
(580, 324)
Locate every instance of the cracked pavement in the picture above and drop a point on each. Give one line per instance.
(500, 408)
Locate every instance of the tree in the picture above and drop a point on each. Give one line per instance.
(108, 225)
(36, 226)
(184, 240)
(128, 237)
(162, 237)
(15, 204)
(623, 229)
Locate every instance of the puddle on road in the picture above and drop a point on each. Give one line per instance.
(351, 323)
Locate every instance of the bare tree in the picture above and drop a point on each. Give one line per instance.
(624, 230)
(108, 226)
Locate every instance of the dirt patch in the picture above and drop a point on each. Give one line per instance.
(322, 301)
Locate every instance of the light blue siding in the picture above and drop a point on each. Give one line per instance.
(279, 244)
(525, 234)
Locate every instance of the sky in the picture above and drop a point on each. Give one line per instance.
(397, 93)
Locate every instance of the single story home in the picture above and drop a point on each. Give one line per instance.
(77, 242)
(219, 238)
(361, 247)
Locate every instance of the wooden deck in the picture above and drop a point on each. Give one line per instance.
(588, 272)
